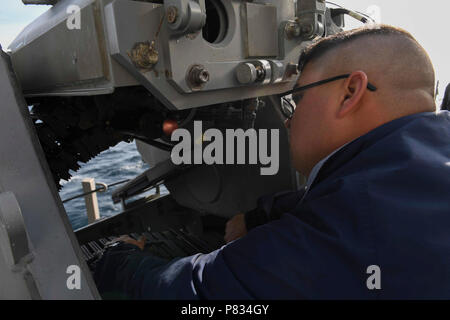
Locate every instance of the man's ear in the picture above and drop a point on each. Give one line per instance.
(355, 87)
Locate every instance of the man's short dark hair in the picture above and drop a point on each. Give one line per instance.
(324, 45)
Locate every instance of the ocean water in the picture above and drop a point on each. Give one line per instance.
(113, 165)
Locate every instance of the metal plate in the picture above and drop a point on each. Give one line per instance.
(64, 58)
(262, 30)
(25, 172)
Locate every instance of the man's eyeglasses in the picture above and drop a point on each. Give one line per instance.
(288, 107)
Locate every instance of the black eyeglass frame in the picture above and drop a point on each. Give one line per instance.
(282, 96)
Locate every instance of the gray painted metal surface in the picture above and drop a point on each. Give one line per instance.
(51, 59)
(16, 281)
(262, 38)
(177, 54)
(13, 237)
(24, 173)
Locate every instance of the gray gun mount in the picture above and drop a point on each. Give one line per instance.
(98, 72)
(186, 53)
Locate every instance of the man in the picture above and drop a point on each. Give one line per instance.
(374, 219)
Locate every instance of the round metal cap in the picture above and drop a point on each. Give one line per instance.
(246, 73)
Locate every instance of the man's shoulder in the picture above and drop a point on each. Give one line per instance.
(415, 144)
(400, 169)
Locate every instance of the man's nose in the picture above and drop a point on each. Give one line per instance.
(287, 123)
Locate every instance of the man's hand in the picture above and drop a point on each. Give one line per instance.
(139, 243)
(235, 228)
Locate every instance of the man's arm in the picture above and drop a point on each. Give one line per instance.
(284, 259)
(271, 207)
(114, 271)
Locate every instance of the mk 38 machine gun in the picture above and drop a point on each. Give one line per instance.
(88, 74)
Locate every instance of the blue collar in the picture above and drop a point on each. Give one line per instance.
(359, 143)
(315, 171)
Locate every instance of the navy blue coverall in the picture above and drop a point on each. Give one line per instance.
(383, 199)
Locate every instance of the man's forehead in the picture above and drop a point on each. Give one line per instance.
(308, 75)
(324, 66)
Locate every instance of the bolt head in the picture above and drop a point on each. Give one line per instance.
(198, 76)
(246, 73)
(292, 29)
(143, 55)
(172, 14)
(203, 76)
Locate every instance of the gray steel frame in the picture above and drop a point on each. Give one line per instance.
(37, 243)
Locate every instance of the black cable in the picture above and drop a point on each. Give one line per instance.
(353, 14)
(157, 144)
(96, 190)
(364, 18)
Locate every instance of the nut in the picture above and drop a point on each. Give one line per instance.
(197, 76)
(203, 76)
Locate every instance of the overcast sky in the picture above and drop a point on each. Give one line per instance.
(427, 24)
(14, 16)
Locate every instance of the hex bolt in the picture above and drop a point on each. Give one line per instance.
(198, 76)
(172, 14)
(292, 29)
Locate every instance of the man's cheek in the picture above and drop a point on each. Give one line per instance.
(301, 130)
(299, 141)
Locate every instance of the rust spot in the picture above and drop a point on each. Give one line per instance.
(143, 55)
